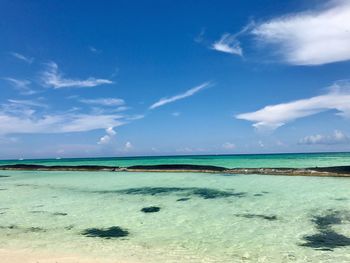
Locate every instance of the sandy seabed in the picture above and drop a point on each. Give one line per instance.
(29, 256)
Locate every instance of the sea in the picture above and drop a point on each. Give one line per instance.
(179, 217)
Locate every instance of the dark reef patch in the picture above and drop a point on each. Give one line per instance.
(59, 214)
(325, 221)
(184, 199)
(107, 233)
(258, 194)
(3, 189)
(35, 229)
(148, 190)
(4, 176)
(341, 199)
(266, 217)
(327, 238)
(47, 212)
(205, 193)
(150, 209)
(38, 212)
(70, 227)
(24, 229)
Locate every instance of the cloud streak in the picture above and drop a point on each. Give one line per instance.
(22, 57)
(104, 101)
(181, 96)
(310, 38)
(273, 116)
(51, 77)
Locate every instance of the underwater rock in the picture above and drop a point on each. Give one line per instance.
(150, 209)
(106, 233)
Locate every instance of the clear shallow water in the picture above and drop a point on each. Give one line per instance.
(237, 218)
(300, 160)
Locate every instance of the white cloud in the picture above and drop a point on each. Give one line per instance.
(186, 94)
(337, 137)
(128, 146)
(110, 134)
(274, 116)
(229, 146)
(94, 50)
(228, 44)
(104, 101)
(52, 78)
(310, 38)
(22, 57)
(21, 85)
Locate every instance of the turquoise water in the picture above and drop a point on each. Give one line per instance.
(230, 161)
(202, 217)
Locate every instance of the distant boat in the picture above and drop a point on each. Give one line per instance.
(58, 158)
(20, 159)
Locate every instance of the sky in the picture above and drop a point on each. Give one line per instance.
(165, 77)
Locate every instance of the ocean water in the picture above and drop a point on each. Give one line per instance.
(202, 217)
(298, 160)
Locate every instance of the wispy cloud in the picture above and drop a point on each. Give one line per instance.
(21, 85)
(310, 38)
(19, 56)
(338, 137)
(228, 44)
(229, 146)
(104, 101)
(51, 77)
(274, 116)
(184, 95)
(56, 123)
(200, 37)
(31, 103)
(30, 116)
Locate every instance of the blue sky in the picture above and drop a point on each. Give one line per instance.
(121, 78)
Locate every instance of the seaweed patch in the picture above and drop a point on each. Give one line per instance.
(107, 233)
(266, 217)
(150, 209)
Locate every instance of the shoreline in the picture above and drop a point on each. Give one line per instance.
(333, 171)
